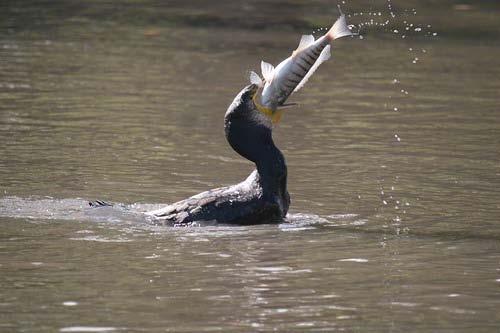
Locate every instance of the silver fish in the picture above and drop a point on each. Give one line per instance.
(293, 72)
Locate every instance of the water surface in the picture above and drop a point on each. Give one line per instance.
(393, 157)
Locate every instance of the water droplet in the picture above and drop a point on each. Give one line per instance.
(70, 303)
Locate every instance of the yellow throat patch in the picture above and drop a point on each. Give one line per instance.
(274, 115)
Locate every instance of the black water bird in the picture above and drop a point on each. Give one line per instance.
(263, 196)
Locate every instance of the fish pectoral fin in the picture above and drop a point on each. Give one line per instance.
(324, 56)
(267, 71)
(255, 79)
(288, 105)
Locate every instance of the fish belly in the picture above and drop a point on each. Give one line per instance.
(276, 92)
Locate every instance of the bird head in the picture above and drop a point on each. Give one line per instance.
(248, 127)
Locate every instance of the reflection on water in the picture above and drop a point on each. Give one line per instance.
(393, 163)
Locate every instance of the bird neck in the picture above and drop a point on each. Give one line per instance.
(272, 170)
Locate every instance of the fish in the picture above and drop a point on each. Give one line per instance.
(292, 74)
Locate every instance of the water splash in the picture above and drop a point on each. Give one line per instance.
(131, 215)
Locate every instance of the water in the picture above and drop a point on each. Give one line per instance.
(393, 157)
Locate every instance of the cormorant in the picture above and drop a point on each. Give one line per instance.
(263, 196)
(248, 123)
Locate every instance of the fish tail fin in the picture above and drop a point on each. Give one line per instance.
(339, 28)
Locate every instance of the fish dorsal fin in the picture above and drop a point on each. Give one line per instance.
(305, 41)
(255, 79)
(324, 56)
(267, 71)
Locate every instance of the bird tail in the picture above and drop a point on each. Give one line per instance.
(99, 203)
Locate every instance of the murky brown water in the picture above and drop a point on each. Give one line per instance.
(394, 174)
